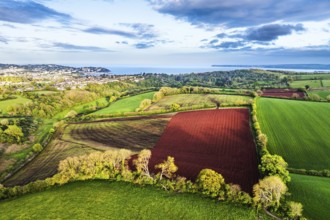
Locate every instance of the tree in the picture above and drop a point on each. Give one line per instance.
(307, 87)
(272, 165)
(4, 122)
(315, 97)
(144, 104)
(210, 182)
(295, 210)
(71, 114)
(175, 107)
(262, 140)
(168, 168)
(37, 148)
(15, 132)
(268, 192)
(142, 162)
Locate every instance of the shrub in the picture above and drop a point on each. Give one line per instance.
(37, 148)
(272, 165)
(210, 183)
(295, 210)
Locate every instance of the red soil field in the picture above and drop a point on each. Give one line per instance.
(217, 139)
(283, 93)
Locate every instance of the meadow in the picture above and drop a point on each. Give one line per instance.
(312, 76)
(303, 83)
(314, 193)
(297, 130)
(10, 102)
(197, 100)
(118, 200)
(322, 93)
(129, 104)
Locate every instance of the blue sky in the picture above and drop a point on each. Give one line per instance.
(164, 33)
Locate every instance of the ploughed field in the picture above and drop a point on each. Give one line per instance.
(217, 139)
(283, 93)
(134, 133)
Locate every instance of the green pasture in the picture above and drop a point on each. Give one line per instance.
(303, 83)
(10, 102)
(297, 130)
(314, 193)
(118, 200)
(129, 104)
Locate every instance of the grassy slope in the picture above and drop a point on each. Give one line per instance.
(80, 108)
(314, 193)
(297, 130)
(116, 200)
(195, 100)
(5, 104)
(125, 105)
(313, 76)
(302, 83)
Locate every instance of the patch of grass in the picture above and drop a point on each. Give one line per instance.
(129, 104)
(297, 130)
(311, 76)
(44, 92)
(118, 200)
(191, 100)
(314, 193)
(10, 102)
(82, 108)
(21, 155)
(322, 93)
(326, 83)
(303, 83)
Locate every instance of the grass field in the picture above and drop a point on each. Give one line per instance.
(44, 92)
(297, 130)
(326, 83)
(322, 93)
(5, 104)
(125, 105)
(82, 108)
(312, 76)
(314, 193)
(118, 200)
(191, 100)
(303, 83)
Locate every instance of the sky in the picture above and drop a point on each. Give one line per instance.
(159, 33)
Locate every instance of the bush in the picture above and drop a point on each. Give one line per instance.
(37, 148)
(210, 183)
(274, 165)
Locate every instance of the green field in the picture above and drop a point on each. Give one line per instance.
(82, 107)
(297, 130)
(326, 83)
(118, 200)
(44, 92)
(197, 100)
(125, 105)
(10, 102)
(311, 76)
(303, 83)
(322, 93)
(314, 193)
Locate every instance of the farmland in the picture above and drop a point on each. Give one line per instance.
(303, 83)
(197, 100)
(297, 130)
(102, 199)
(314, 193)
(283, 93)
(311, 76)
(322, 93)
(11, 102)
(81, 138)
(217, 139)
(129, 104)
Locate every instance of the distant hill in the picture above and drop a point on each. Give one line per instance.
(54, 67)
(283, 66)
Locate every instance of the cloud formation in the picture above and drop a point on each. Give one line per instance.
(26, 12)
(3, 40)
(144, 45)
(271, 31)
(78, 47)
(243, 13)
(99, 30)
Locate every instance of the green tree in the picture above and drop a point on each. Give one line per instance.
(15, 132)
(37, 148)
(268, 192)
(71, 114)
(295, 210)
(175, 107)
(272, 165)
(142, 162)
(210, 182)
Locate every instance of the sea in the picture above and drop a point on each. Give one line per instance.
(120, 70)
